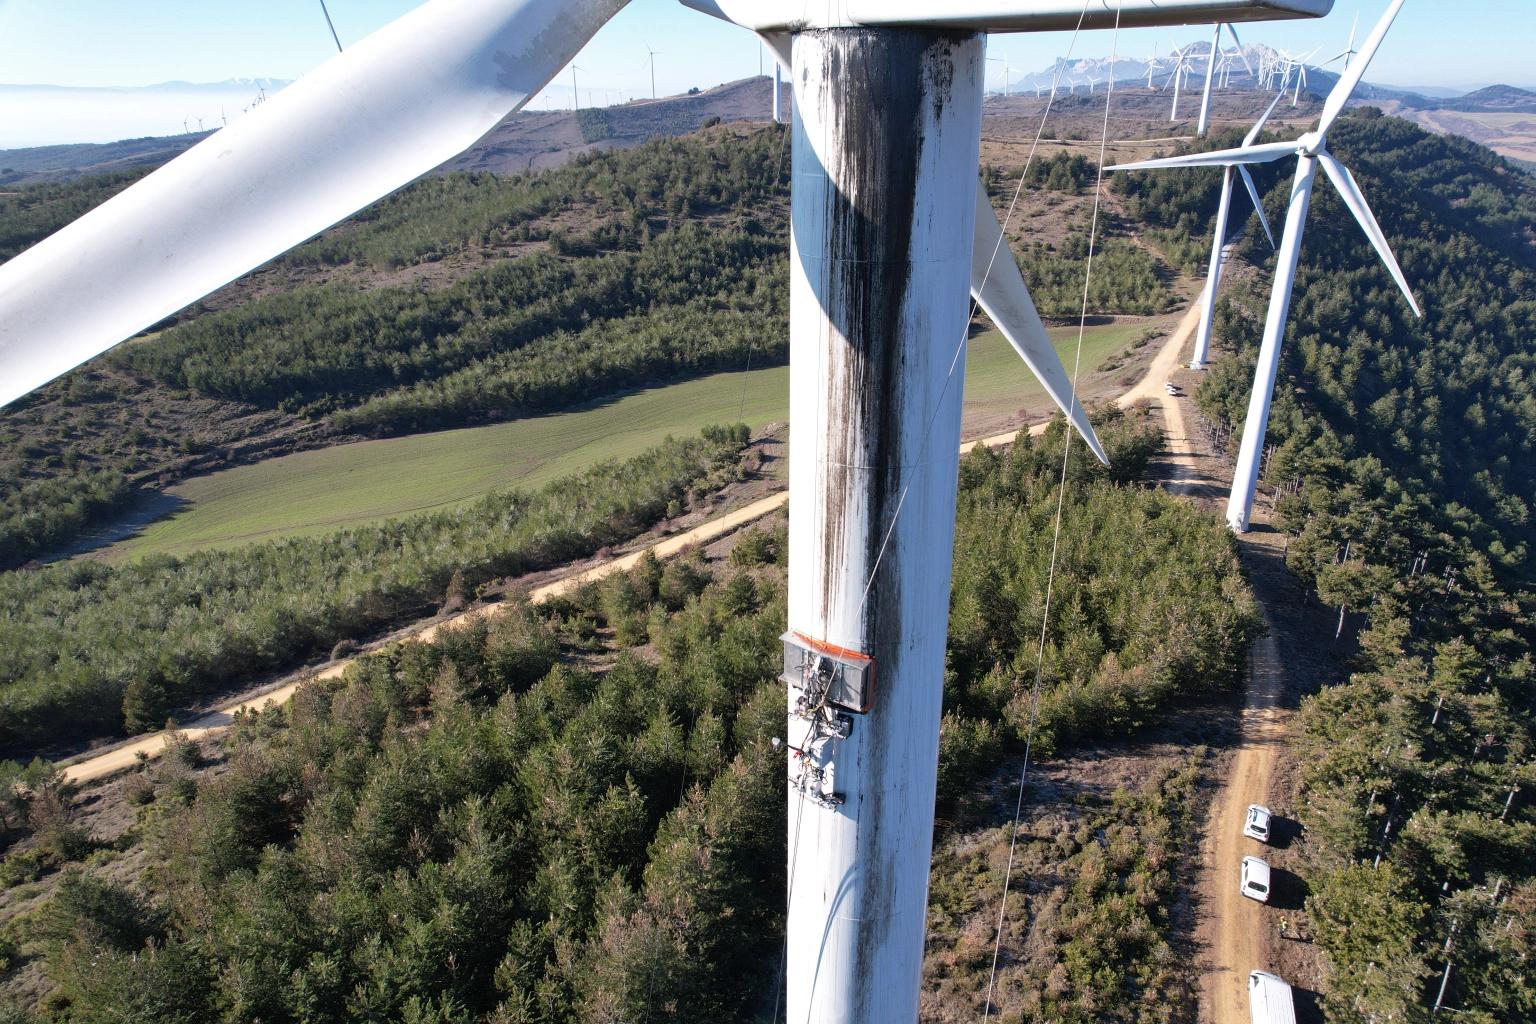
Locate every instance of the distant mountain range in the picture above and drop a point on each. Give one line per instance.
(1493, 116)
(530, 140)
(533, 140)
(43, 115)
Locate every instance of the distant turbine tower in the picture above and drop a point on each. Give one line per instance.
(1310, 150)
(1350, 52)
(1210, 72)
(1301, 76)
(1007, 72)
(330, 24)
(1218, 244)
(575, 92)
(1180, 73)
(652, 57)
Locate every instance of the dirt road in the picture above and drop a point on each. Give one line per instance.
(1233, 930)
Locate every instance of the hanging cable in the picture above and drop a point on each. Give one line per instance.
(1050, 584)
(789, 901)
(330, 24)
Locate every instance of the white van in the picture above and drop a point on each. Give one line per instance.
(1256, 879)
(1269, 999)
(1256, 825)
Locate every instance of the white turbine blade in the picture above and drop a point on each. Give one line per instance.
(1345, 87)
(999, 288)
(1349, 190)
(1240, 51)
(1258, 127)
(1258, 202)
(384, 112)
(1216, 158)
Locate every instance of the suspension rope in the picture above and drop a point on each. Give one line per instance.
(789, 901)
(1050, 584)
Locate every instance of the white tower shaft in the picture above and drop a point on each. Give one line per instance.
(1245, 480)
(1210, 74)
(778, 93)
(886, 144)
(1213, 279)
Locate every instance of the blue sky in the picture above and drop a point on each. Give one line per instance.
(141, 42)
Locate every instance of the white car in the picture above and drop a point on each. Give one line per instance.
(1256, 826)
(1256, 879)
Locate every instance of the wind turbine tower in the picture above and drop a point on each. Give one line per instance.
(1218, 244)
(1210, 74)
(890, 232)
(1311, 152)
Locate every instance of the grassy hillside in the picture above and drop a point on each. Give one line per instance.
(469, 299)
(316, 492)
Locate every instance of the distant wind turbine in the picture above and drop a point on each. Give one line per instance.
(1210, 74)
(1349, 53)
(1180, 73)
(1311, 151)
(1007, 73)
(575, 92)
(653, 56)
(1218, 245)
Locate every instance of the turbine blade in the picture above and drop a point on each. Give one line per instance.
(1216, 158)
(1240, 51)
(1345, 87)
(1259, 127)
(384, 112)
(1349, 190)
(999, 288)
(1258, 202)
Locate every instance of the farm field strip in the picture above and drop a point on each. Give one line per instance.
(318, 492)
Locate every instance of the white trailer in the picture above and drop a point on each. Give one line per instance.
(1269, 999)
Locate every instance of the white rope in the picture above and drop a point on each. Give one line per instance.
(1061, 500)
(789, 902)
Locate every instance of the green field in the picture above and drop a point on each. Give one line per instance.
(321, 491)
